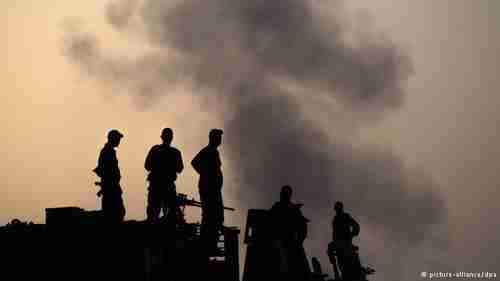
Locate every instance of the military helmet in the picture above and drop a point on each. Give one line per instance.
(114, 134)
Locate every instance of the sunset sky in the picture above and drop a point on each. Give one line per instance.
(56, 116)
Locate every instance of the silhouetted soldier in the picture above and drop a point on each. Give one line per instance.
(163, 163)
(207, 164)
(109, 172)
(290, 230)
(287, 217)
(344, 229)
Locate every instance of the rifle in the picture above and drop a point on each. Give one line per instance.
(99, 183)
(99, 193)
(183, 200)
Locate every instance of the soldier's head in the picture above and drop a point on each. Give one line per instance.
(286, 193)
(338, 207)
(215, 137)
(167, 135)
(114, 137)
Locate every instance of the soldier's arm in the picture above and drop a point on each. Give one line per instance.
(197, 162)
(149, 159)
(333, 231)
(99, 169)
(355, 226)
(107, 166)
(302, 226)
(104, 162)
(180, 164)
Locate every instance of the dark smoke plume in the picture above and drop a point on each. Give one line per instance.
(265, 66)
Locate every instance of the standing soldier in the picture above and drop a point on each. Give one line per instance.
(163, 163)
(109, 172)
(344, 229)
(287, 218)
(208, 165)
(289, 227)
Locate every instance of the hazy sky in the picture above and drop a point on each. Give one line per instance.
(55, 118)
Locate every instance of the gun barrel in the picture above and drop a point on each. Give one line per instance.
(193, 203)
(185, 201)
(198, 204)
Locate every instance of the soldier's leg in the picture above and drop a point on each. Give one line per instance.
(208, 229)
(356, 265)
(118, 208)
(215, 218)
(112, 207)
(104, 204)
(342, 266)
(107, 203)
(343, 259)
(122, 211)
(218, 209)
(161, 194)
(204, 217)
(171, 202)
(349, 270)
(204, 208)
(332, 256)
(153, 208)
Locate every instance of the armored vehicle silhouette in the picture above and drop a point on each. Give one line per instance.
(75, 244)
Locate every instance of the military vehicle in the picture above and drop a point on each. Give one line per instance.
(268, 258)
(75, 244)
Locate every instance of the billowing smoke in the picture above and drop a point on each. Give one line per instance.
(291, 79)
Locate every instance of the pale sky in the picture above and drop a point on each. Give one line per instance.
(55, 118)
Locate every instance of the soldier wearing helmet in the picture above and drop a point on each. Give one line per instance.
(108, 170)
